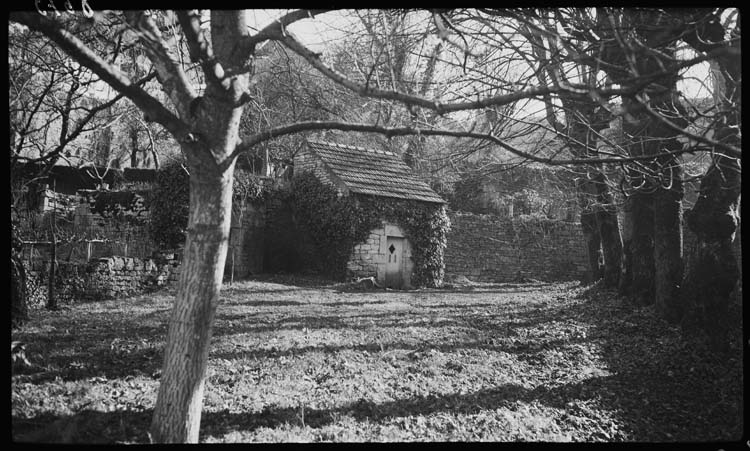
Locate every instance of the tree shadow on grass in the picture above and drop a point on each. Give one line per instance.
(127, 426)
(93, 351)
(664, 384)
(89, 426)
(84, 427)
(660, 386)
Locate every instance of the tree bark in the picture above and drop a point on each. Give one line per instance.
(590, 228)
(178, 408)
(593, 245)
(642, 249)
(19, 312)
(712, 272)
(52, 275)
(668, 263)
(626, 269)
(609, 231)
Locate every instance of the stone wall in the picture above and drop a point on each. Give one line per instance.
(369, 258)
(499, 249)
(103, 278)
(108, 278)
(119, 217)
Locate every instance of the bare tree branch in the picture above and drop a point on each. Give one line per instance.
(390, 132)
(83, 54)
(730, 150)
(246, 47)
(161, 53)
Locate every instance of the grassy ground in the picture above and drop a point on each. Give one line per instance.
(293, 360)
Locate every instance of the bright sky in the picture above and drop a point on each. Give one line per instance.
(315, 33)
(332, 26)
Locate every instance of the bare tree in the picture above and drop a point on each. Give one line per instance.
(712, 273)
(203, 113)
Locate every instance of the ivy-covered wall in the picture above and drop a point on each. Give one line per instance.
(333, 225)
(490, 248)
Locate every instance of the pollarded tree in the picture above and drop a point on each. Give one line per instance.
(711, 274)
(637, 45)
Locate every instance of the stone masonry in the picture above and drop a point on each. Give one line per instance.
(489, 248)
(369, 258)
(103, 278)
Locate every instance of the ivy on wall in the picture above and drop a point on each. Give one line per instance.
(169, 201)
(126, 207)
(337, 224)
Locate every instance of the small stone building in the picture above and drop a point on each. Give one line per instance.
(356, 171)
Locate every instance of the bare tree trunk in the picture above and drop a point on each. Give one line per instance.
(51, 299)
(178, 409)
(609, 231)
(19, 312)
(593, 245)
(668, 242)
(711, 273)
(589, 227)
(626, 269)
(641, 256)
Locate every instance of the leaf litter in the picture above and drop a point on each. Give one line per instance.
(308, 361)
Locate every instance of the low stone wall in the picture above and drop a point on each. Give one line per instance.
(103, 278)
(489, 248)
(112, 277)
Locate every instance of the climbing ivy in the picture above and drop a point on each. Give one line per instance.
(169, 204)
(338, 223)
(169, 201)
(332, 222)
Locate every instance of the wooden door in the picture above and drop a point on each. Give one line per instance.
(394, 251)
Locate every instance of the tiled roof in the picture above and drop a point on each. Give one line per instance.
(373, 172)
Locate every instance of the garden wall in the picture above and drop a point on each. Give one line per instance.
(119, 217)
(246, 238)
(103, 278)
(489, 248)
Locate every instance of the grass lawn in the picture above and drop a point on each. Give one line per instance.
(295, 360)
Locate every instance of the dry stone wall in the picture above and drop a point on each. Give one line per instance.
(103, 278)
(489, 248)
